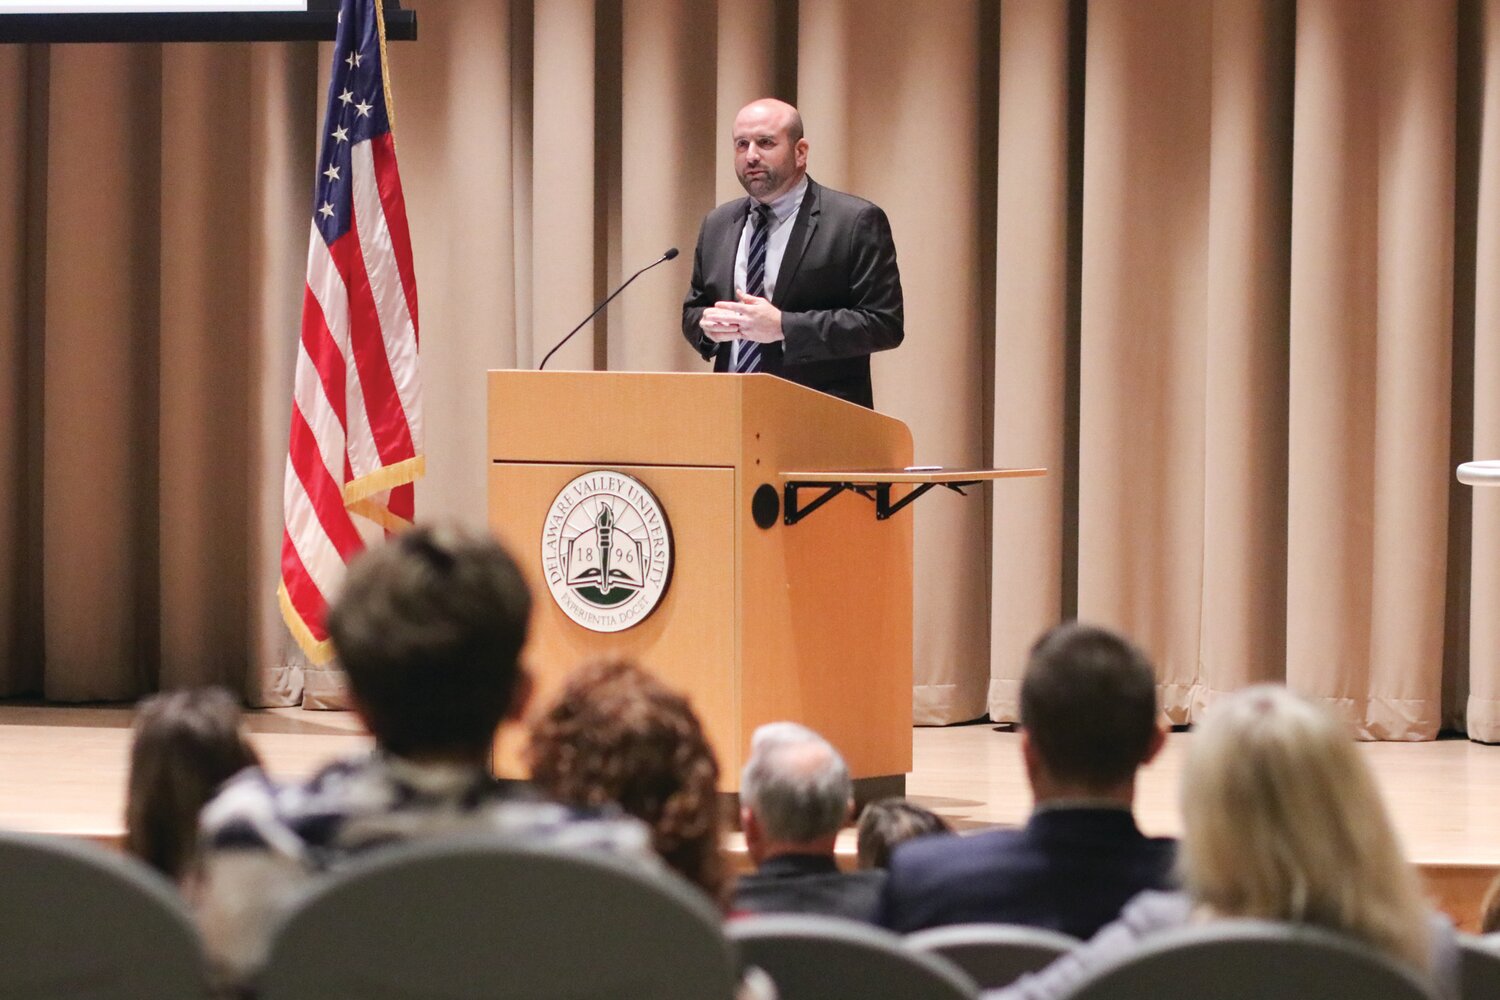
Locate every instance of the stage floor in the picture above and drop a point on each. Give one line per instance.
(62, 770)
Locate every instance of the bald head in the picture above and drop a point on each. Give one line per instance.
(770, 152)
(773, 114)
(795, 784)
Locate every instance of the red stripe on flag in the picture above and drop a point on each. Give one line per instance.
(393, 203)
(382, 402)
(326, 495)
(310, 602)
(403, 502)
(323, 350)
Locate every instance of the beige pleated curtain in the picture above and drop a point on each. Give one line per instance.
(1227, 268)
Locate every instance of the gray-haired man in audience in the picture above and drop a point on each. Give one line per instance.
(795, 794)
(428, 629)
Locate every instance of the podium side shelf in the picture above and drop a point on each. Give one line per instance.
(875, 485)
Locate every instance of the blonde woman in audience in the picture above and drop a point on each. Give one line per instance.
(1281, 821)
(616, 735)
(186, 744)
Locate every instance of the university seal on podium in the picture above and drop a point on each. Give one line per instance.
(606, 551)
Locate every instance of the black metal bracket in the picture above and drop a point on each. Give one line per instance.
(795, 513)
(879, 493)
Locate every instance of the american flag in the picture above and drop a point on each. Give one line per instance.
(356, 441)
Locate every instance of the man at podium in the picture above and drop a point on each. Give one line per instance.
(796, 280)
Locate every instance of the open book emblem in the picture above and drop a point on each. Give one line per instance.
(603, 565)
(606, 551)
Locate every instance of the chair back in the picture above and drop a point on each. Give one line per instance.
(481, 918)
(1252, 960)
(993, 955)
(1479, 966)
(78, 922)
(829, 958)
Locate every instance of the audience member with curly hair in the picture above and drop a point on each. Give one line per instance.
(1489, 909)
(615, 734)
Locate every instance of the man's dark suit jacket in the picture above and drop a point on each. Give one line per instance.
(808, 883)
(838, 290)
(1069, 870)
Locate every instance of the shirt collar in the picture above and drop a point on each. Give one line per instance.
(793, 865)
(436, 779)
(785, 206)
(1059, 805)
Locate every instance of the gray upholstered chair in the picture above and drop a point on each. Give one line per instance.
(828, 958)
(1479, 966)
(78, 922)
(1252, 960)
(993, 955)
(476, 917)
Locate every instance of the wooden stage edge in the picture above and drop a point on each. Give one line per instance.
(62, 771)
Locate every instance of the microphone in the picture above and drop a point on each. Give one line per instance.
(669, 255)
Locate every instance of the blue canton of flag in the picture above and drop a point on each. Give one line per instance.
(356, 113)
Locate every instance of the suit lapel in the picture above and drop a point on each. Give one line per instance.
(802, 233)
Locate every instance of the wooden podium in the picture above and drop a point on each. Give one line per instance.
(759, 622)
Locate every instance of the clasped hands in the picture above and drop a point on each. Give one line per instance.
(749, 317)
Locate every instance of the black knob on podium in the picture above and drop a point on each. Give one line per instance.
(765, 505)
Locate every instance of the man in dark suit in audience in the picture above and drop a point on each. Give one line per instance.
(795, 795)
(1089, 721)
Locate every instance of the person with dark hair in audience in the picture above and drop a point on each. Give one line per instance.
(1088, 722)
(1282, 821)
(428, 628)
(888, 822)
(616, 735)
(795, 795)
(185, 745)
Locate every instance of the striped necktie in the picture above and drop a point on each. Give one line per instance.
(748, 358)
